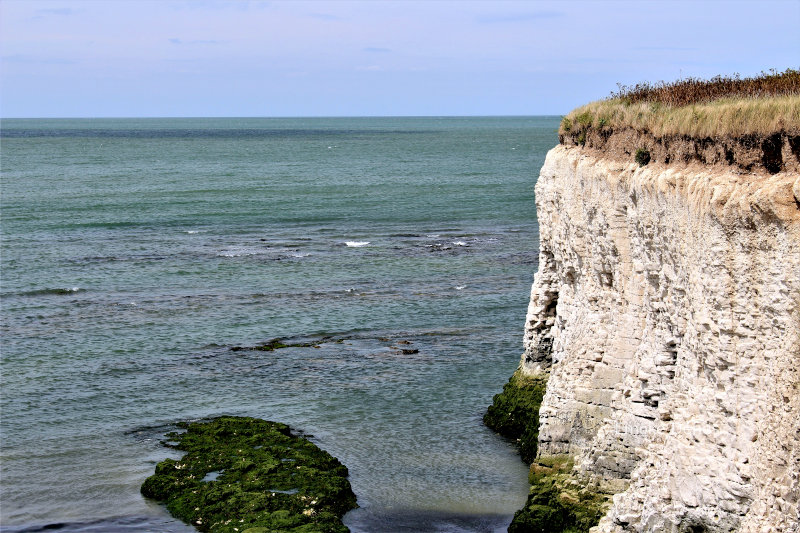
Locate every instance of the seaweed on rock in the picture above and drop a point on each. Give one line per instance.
(246, 475)
(514, 413)
(555, 503)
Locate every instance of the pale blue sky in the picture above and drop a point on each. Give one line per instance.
(359, 58)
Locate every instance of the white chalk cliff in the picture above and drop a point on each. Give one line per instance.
(666, 310)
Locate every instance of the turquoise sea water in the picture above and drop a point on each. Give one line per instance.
(137, 252)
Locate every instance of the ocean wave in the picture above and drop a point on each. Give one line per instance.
(112, 258)
(242, 252)
(356, 244)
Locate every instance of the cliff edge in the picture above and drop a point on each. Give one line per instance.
(666, 311)
(665, 319)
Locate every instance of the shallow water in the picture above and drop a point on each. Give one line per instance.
(137, 253)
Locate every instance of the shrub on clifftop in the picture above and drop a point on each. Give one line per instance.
(688, 91)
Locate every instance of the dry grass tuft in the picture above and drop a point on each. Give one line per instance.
(718, 107)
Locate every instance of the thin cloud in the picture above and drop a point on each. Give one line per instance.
(223, 5)
(41, 14)
(177, 41)
(666, 48)
(20, 58)
(323, 16)
(63, 11)
(519, 17)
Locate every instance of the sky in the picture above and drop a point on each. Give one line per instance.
(151, 58)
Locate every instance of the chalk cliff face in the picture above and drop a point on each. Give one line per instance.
(666, 310)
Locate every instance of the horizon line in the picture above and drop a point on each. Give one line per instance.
(68, 117)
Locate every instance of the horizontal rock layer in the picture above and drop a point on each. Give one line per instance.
(666, 310)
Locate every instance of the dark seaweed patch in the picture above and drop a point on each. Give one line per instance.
(277, 344)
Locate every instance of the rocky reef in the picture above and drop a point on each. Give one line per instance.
(665, 320)
(246, 475)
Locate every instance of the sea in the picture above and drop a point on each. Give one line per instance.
(142, 258)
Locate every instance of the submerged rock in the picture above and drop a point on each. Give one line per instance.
(278, 343)
(244, 474)
(272, 345)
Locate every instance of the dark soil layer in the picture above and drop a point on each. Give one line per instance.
(749, 153)
(514, 413)
(246, 475)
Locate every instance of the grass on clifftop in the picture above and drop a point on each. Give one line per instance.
(721, 106)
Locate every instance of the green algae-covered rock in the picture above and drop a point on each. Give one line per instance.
(514, 413)
(556, 504)
(249, 475)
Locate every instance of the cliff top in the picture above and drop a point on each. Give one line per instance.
(730, 106)
(751, 123)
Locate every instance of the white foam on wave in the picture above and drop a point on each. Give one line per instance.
(299, 255)
(459, 243)
(460, 287)
(193, 231)
(241, 252)
(356, 244)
